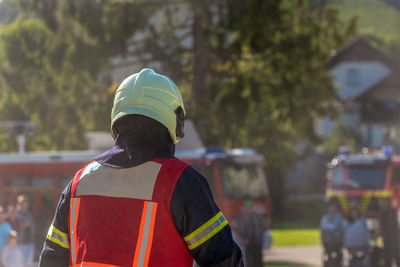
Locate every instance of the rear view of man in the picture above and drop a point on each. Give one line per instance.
(250, 226)
(389, 229)
(137, 205)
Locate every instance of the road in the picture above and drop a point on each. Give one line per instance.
(310, 255)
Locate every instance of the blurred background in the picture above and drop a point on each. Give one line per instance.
(292, 79)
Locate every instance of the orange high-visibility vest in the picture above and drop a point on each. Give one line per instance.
(121, 217)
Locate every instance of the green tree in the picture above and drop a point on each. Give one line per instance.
(55, 58)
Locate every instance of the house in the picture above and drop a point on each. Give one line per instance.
(368, 91)
(368, 83)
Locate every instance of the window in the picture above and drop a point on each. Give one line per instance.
(368, 177)
(244, 181)
(353, 77)
(43, 182)
(359, 177)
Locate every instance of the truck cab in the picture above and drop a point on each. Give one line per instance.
(360, 180)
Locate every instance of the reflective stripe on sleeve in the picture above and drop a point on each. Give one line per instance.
(58, 237)
(206, 231)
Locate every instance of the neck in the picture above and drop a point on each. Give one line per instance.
(154, 141)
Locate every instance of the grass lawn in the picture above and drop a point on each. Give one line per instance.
(283, 264)
(375, 16)
(298, 237)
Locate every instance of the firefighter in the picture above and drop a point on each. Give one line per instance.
(135, 204)
(250, 228)
(357, 239)
(389, 229)
(332, 232)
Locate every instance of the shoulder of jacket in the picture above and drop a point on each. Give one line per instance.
(173, 162)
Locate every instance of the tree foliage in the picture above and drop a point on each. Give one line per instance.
(55, 57)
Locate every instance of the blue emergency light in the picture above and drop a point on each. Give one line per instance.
(387, 150)
(345, 150)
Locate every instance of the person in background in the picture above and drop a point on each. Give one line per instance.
(12, 217)
(26, 230)
(389, 229)
(332, 231)
(5, 228)
(250, 228)
(357, 239)
(11, 256)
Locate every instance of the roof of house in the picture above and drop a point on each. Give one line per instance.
(391, 82)
(361, 50)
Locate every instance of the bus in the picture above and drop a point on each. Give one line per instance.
(234, 176)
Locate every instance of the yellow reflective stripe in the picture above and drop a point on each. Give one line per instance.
(343, 202)
(204, 226)
(365, 200)
(208, 236)
(382, 194)
(64, 245)
(58, 237)
(65, 235)
(330, 193)
(206, 231)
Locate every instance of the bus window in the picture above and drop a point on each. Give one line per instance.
(18, 182)
(244, 181)
(396, 175)
(43, 182)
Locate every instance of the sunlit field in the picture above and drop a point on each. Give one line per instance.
(301, 237)
(284, 264)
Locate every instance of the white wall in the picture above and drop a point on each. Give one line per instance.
(373, 135)
(370, 73)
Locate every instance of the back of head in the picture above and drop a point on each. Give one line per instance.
(142, 132)
(13, 234)
(354, 214)
(22, 203)
(21, 199)
(332, 207)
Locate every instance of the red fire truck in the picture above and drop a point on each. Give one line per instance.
(234, 176)
(360, 180)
